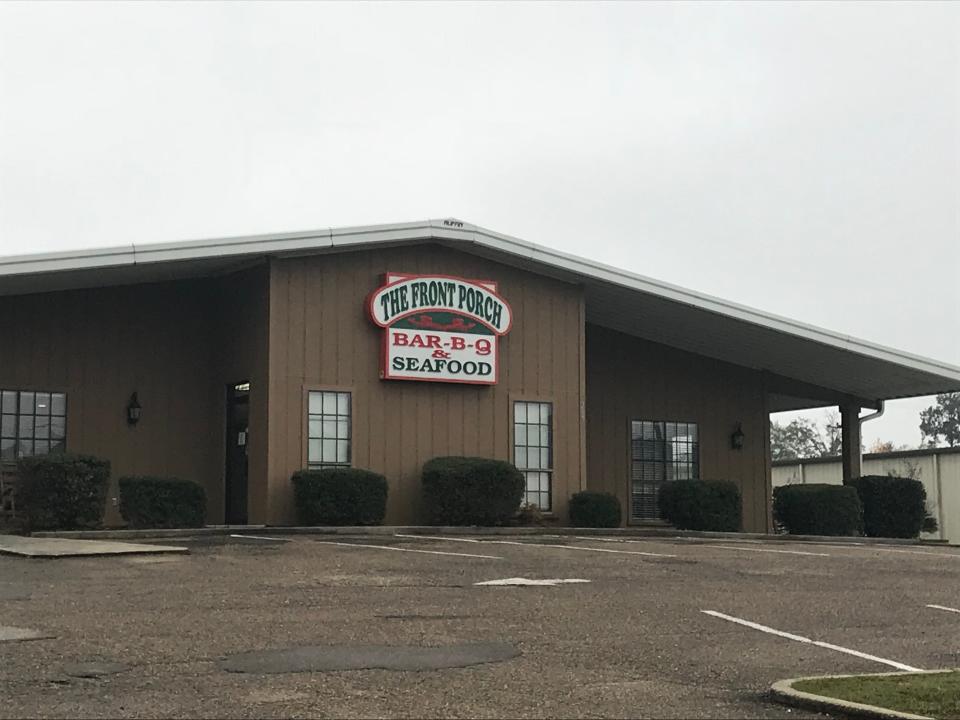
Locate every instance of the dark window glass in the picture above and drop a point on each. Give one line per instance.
(32, 423)
(660, 452)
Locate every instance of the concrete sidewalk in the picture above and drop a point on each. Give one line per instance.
(59, 548)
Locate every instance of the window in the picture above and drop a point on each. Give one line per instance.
(660, 452)
(328, 429)
(533, 449)
(32, 423)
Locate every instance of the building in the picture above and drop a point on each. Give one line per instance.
(235, 362)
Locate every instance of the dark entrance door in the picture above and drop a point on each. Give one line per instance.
(235, 478)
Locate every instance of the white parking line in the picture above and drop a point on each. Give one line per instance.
(944, 607)
(818, 643)
(769, 550)
(259, 537)
(575, 547)
(545, 545)
(395, 549)
(878, 547)
(436, 537)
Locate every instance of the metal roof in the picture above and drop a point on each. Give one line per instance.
(617, 299)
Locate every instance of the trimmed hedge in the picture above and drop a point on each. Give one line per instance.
(594, 510)
(701, 505)
(339, 496)
(893, 507)
(63, 492)
(818, 509)
(471, 491)
(159, 502)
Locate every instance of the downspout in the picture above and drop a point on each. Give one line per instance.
(872, 416)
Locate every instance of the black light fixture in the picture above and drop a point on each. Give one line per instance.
(133, 410)
(736, 440)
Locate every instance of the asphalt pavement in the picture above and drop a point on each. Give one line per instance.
(661, 627)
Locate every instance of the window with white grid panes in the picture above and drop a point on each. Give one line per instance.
(533, 449)
(328, 429)
(32, 423)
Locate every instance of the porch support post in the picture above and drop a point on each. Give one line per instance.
(850, 441)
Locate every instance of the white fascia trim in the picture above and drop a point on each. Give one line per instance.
(68, 260)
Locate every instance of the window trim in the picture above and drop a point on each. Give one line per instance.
(305, 423)
(552, 470)
(629, 474)
(46, 391)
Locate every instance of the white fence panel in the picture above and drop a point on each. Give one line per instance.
(938, 470)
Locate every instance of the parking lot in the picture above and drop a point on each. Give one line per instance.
(663, 627)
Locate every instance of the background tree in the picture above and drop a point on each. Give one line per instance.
(805, 438)
(800, 438)
(942, 421)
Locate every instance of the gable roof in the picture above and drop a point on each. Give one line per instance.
(799, 358)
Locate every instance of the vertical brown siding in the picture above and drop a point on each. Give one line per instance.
(176, 344)
(320, 337)
(628, 378)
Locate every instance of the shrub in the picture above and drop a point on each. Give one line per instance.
(470, 491)
(893, 507)
(63, 492)
(339, 496)
(818, 509)
(158, 502)
(701, 505)
(594, 510)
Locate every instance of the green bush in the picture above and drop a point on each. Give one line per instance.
(594, 510)
(701, 505)
(893, 507)
(339, 496)
(818, 509)
(63, 492)
(470, 491)
(158, 502)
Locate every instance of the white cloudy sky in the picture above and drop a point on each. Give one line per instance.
(802, 158)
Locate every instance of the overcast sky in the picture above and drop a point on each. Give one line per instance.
(800, 158)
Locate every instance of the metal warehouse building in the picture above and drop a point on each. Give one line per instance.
(235, 362)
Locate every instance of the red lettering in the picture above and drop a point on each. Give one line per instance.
(458, 343)
(400, 339)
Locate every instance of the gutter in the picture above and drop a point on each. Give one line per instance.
(871, 416)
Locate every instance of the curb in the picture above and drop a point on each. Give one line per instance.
(783, 692)
(214, 530)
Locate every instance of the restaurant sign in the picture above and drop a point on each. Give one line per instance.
(439, 328)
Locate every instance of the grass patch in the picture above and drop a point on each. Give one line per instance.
(934, 695)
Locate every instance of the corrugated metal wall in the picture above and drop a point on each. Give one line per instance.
(633, 379)
(322, 338)
(939, 471)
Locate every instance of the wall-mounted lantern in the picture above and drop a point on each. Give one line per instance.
(133, 410)
(736, 440)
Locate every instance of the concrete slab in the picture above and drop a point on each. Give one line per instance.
(59, 548)
(16, 634)
(368, 657)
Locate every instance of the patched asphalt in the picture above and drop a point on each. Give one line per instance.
(633, 642)
(410, 658)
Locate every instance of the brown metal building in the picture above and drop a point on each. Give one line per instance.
(250, 358)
